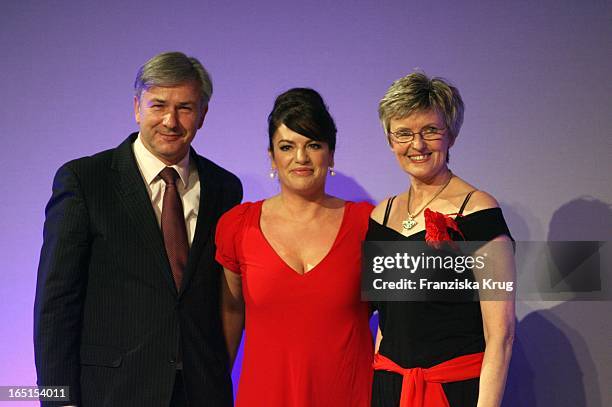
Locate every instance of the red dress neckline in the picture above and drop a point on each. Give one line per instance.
(259, 205)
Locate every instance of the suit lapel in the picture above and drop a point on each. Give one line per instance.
(135, 199)
(209, 195)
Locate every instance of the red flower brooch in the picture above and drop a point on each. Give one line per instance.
(437, 226)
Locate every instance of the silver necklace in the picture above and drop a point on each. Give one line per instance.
(409, 222)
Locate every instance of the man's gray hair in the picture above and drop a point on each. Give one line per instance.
(171, 69)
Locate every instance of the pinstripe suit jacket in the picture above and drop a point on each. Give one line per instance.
(108, 320)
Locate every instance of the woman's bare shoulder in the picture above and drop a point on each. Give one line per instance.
(479, 201)
(333, 202)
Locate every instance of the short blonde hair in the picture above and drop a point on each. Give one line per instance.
(417, 92)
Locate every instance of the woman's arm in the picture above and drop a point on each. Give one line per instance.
(232, 312)
(498, 323)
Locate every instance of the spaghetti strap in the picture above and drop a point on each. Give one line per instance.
(388, 210)
(465, 201)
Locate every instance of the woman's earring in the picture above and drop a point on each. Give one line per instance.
(273, 173)
(332, 172)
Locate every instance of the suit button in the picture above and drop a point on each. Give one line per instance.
(172, 361)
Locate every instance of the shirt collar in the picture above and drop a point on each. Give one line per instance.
(151, 166)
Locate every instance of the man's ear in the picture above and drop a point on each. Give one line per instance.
(137, 109)
(202, 116)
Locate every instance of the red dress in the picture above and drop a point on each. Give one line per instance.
(307, 339)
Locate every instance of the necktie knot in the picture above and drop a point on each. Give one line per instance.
(169, 175)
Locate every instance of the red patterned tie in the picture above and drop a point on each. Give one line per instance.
(173, 226)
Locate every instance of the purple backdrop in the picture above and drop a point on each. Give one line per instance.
(534, 75)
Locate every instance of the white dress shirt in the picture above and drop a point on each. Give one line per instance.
(188, 187)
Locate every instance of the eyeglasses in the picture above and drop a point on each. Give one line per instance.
(406, 136)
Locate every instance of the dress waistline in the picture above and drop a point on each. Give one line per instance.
(420, 386)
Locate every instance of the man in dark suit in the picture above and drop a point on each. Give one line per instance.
(127, 298)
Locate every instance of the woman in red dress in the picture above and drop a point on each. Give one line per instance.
(292, 272)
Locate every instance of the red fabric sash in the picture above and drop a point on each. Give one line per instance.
(425, 385)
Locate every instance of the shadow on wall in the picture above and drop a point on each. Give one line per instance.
(514, 214)
(345, 187)
(562, 355)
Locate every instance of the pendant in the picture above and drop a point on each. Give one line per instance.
(409, 223)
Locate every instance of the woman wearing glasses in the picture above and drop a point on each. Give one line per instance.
(292, 267)
(432, 353)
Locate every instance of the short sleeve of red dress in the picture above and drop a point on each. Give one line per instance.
(228, 235)
(362, 217)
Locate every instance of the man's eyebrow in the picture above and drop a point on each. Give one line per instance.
(157, 100)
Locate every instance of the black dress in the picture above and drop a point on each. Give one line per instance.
(424, 334)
